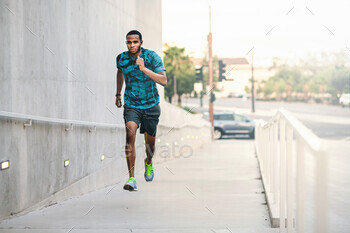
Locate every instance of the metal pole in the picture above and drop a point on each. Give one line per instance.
(253, 97)
(211, 107)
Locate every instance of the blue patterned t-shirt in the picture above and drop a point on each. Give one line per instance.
(140, 90)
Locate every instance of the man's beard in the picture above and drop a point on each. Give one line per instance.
(138, 50)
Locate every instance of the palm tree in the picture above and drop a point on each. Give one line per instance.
(181, 72)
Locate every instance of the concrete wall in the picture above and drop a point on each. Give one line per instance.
(57, 59)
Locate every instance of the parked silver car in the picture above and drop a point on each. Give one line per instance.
(344, 100)
(229, 123)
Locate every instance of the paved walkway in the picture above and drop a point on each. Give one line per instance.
(217, 189)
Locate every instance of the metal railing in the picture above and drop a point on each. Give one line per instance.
(291, 157)
(40, 119)
(70, 123)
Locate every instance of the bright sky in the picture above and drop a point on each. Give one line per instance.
(287, 29)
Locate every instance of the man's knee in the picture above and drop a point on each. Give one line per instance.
(130, 135)
(131, 128)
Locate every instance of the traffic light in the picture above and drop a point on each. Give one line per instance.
(199, 74)
(222, 70)
(212, 97)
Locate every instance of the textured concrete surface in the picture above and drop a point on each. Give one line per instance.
(57, 59)
(216, 189)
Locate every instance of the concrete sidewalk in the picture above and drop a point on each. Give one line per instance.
(217, 189)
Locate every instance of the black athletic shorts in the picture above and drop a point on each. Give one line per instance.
(148, 118)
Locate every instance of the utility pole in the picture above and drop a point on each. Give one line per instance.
(210, 64)
(253, 97)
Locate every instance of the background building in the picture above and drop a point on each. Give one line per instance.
(238, 75)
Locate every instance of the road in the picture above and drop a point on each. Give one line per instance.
(326, 121)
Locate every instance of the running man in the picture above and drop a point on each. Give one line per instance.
(141, 69)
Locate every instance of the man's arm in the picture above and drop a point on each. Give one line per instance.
(120, 81)
(159, 77)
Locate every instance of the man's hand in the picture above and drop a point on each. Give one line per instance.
(140, 62)
(118, 101)
(159, 77)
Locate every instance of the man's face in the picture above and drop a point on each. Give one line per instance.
(134, 44)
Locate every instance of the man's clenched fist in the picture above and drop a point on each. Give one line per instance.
(118, 101)
(140, 63)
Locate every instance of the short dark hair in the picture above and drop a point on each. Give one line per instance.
(134, 32)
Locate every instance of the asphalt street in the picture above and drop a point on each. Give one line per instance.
(326, 121)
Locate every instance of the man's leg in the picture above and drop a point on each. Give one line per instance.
(150, 146)
(131, 128)
(149, 124)
(150, 141)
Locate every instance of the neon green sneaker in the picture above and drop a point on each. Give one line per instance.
(149, 174)
(130, 184)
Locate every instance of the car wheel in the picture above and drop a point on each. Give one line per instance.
(217, 134)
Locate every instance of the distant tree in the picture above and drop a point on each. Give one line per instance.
(328, 72)
(260, 87)
(287, 79)
(341, 79)
(178, 65)
(247, 89)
